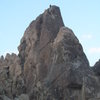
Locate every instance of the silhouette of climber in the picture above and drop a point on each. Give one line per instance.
(50, 6)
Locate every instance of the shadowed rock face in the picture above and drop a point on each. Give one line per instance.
(51, 64)
(96, 68)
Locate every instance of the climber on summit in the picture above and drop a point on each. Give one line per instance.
(50, 6)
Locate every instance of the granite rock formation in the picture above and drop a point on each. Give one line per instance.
(11, 81)
(51, 64)
(96, 68)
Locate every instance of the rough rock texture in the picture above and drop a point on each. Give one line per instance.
(96, 68)
(51, 64)
(11, 81)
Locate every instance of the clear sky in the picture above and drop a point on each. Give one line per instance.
(82, 16)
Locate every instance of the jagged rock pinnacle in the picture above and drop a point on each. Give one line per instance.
(51, 64)
(41, 31)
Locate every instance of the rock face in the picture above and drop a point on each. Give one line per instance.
(96, 68)
(51, 64)
(11, 81)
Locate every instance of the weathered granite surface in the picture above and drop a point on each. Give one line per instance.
(51, 64)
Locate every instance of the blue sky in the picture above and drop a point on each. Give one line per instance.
(82, 16)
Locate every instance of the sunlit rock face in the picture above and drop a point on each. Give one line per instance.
(35, 49)
(51, 64)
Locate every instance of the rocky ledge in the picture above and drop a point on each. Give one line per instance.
(51, 64)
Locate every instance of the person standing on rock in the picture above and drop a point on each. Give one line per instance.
(50, 6)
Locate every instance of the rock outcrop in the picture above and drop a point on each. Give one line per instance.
(51, 64)
(96, 68)
(11, 81)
